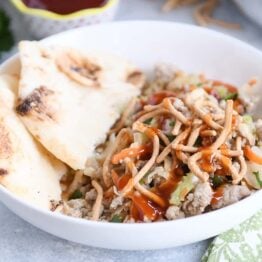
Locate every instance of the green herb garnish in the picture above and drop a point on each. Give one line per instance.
(117, 218)
(225, 94)
(76, 195)
(257, 175)
(170, 137)
(217, 181)
(198, 142)
(148, 121)
(172, 123)
(6, 37)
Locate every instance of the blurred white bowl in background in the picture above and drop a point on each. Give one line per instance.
(252, 8)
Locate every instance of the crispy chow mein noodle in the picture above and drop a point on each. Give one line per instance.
(170, 141)
(98, 203)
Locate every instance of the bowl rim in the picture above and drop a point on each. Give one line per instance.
(84, 222)
(19, 5)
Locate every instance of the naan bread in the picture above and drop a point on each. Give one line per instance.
(69, 101)
(26, 169)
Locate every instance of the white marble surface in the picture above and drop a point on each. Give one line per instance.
(19, 241)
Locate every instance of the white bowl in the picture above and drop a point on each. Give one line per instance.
(147, 43)
(253, 9)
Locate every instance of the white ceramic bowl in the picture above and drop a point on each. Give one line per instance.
(253, 9)
(43, 23)
(147, 43)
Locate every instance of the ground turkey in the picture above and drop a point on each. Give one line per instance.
(197, 201)
(231, 194)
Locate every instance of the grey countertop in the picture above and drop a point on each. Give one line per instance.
(20, 241)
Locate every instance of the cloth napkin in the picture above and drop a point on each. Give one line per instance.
(240, 244)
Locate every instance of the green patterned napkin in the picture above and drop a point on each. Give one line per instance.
(240, 244)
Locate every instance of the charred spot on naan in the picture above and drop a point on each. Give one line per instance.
(36, 104)
(3, 172)
(79, 69)
(5, 143)
(136, 78)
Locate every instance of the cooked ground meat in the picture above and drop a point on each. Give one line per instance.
(91, 195)
(232, 194)
(116, 202)
(174, 212)
(197, 201)
(76, 208)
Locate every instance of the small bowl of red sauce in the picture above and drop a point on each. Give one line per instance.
(47, 17)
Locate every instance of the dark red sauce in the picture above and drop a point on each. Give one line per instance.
(64, 6)
(218, 194)
(157, 98)
(166, 188)
(142, 206)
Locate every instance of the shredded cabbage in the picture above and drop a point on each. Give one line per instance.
(183, 188)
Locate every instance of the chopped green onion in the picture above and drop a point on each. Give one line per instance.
(77, 194)
(225, 94)
(172, 123)
(257, 175)
(117, 218)
(217, 181)
(170, 137)
(148, 121)
(199, 84)
(222, 91)
(232, 96)
(198, 142)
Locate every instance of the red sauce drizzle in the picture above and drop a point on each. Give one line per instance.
(157, 98)
(142, 207)
(64, 6)
(218, 194)
(166, 188)
(120, 181)
(141, 152)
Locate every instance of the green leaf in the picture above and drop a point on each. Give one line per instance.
(76, 195)
(4, 21)
(6, 37)
(117, 218)
(6, 41)
(257, 175)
